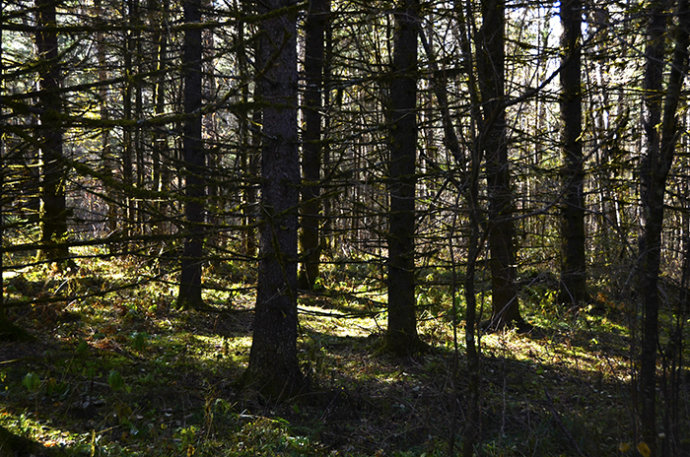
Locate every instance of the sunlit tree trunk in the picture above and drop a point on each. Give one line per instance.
(53, 211)
(273, 366)
(193, 160)
(402, 322)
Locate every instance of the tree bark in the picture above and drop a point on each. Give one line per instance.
(402, 322)
(573, 285)
(661, 135)
(108, 162)
(315, 28)
(160, 150)
(53, 210)
(273, 366)
(126, 156)
(493, 140)
(194, 161)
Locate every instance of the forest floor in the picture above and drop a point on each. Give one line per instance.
(118, 371)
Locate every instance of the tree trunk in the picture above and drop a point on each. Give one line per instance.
(326, 231)
(53, 211)
(493, 140)
(212, 140)
(249, 138)
(127, 166)
(661, 136)
(159, 150)
(273, 366)
(194, 161)
(402, 322)
(315, 28)
(108, 162)
(573, 287)
(251, 185)
(138, 141)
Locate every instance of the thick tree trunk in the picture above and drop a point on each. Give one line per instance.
(573, 287)
(273, 366)
(315, 28)
(194, 161)
(493, 140)
(402, 321)
(53, 211)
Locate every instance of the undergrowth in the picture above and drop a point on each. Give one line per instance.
(117, 371)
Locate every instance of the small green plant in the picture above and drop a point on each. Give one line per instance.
(56, 388)
(187, 438)
(82, 349)
(31, 381)
(139, 341)
(115, 380)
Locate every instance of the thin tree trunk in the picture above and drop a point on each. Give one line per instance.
(160, 150)
(212, 138)
(315, 28)
(246, 146)
(661, 135)
(472, 343)
(127, 166)
(107, 160)
(402, 321)
(652, 213)
(138, 114)
(194, 161)
(3, 312)
(326, 232)
(573, 287)
(252, 171)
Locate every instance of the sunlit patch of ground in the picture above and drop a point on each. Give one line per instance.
(120, 372)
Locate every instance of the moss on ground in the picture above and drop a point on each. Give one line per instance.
(115, 370)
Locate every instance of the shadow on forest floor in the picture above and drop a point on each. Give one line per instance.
(125, 374)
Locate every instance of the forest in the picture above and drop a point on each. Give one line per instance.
(335, 228)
